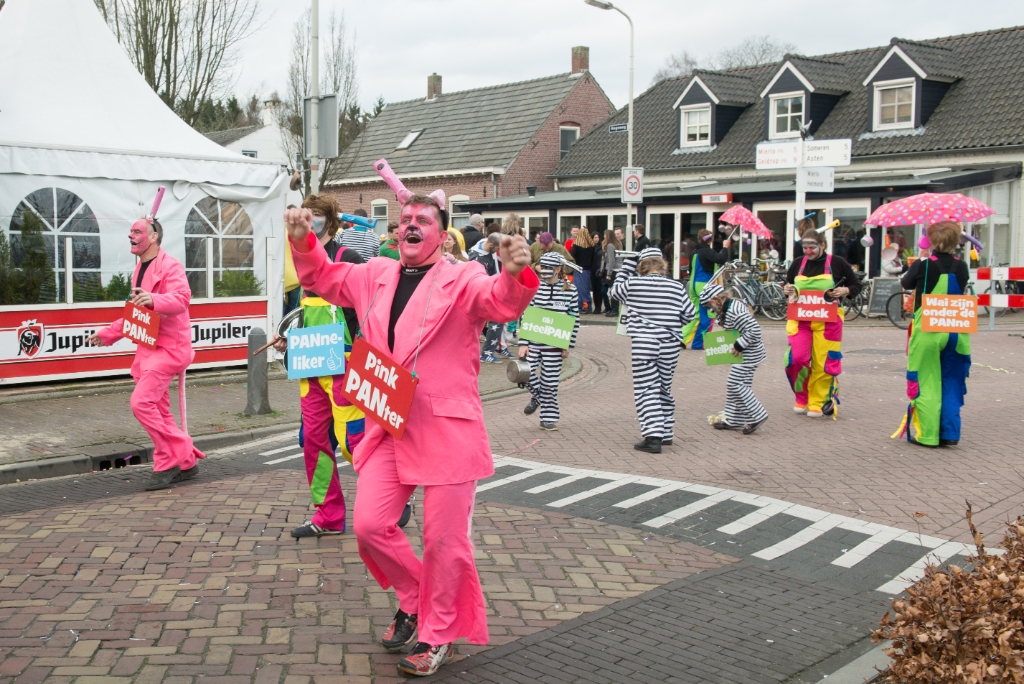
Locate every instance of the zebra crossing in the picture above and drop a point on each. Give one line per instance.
(821, 544)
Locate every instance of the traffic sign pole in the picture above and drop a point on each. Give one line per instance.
(801, 201)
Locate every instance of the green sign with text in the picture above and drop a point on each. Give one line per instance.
(547, 327)
(718, 348)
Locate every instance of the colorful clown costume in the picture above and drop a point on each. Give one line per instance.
(938, 365)
(813, 357)
(693, 332)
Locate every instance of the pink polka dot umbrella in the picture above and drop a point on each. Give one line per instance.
(928, 208)
(740, 216)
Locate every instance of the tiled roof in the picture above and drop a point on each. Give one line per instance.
(231, 135)
(984, 108)
(824, 74)
(471, 129)
(728, 87)
(936, 60)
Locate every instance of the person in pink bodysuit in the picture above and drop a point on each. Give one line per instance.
(160, 284)
(425, 312)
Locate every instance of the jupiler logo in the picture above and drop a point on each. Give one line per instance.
(30, 338)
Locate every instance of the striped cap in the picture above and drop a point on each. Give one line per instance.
(554, 260)
(649, 253)
(710, 291)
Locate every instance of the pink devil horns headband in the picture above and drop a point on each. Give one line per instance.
(385, 171)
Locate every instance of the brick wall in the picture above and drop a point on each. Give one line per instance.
(585, 106)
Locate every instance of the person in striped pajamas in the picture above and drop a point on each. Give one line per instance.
(559, 295)
(658, 308)
(742, 409)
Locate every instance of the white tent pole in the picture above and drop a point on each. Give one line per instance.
(69, 290)
(209, 267)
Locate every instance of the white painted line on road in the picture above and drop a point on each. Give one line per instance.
(690, 509)
(867, 547)
(286, 458)
(512, 478)
(916, 571)
(592, 492)
(253, 444)
(557, 483)
(280, 450)
(754, 518)
(804, 536)
(651, 495)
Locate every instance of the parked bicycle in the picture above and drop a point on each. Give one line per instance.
(857, 306)
(743, 282)
(899, 308)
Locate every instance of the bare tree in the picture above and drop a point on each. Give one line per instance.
(753, 51)
(185, 49)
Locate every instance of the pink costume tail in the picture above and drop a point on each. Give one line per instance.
(385, 171)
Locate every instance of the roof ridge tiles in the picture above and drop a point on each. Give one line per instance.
(814, 58)
(475, 90)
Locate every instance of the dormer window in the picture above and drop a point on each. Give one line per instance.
(787, 114)
(894, 104)
(408, 140)
(695, 126)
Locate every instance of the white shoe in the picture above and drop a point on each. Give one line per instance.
(799, 409)
(814, 414)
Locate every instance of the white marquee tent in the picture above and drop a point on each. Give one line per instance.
(84, 143)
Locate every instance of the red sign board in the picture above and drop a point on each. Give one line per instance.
(811, 306)
(141, 325)
(716, 198)
(949, 314)
(379, 387)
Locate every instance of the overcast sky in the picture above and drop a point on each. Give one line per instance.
(475, 43)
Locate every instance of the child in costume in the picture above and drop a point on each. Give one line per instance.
(814, 357)
(742, 409)
(705, 261)
(555, 294)
(938, 364)
(658, 308)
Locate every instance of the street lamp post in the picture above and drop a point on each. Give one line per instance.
(600, 4)
(314, 108)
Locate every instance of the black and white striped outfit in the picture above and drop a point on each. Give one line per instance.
(658, 308)
(741, 406)
(366, 243)
(544, 385)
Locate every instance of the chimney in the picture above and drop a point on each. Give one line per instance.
(580, 59)
(433, 86)
(271, 112)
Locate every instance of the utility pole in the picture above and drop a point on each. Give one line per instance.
(314, 136)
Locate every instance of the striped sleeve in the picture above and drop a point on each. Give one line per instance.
(743, 322)
(574, 310)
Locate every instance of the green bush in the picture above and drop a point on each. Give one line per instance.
(237, 284)
(119, 287)
(30, 282)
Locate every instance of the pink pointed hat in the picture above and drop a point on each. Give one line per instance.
(385, 171)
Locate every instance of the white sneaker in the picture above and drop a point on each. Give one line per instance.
(814, 414)
(424, 660)
(799, 409)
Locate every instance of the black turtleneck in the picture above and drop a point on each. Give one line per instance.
(408, 281)
(842, 273)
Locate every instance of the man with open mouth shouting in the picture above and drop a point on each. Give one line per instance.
(423, 312)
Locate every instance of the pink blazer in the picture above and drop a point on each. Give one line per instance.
(445, 441)
(165, 279)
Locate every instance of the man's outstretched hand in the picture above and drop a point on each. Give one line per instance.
(515, 253)
(299, 223)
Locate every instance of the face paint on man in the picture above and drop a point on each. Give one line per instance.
(141, 236)
(319, 225)
(420, 236)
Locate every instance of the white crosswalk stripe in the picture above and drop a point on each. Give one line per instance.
(280, 450)
(916, 571)
(592, 492)
(688, 510)
(556, 484)
(291, 457)
(513, 478)
(808, 534)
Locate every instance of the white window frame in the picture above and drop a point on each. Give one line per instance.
(877, 124)
(772, 116)
(452, 201)
(408, 140)
(566, 128)
(683, 111)
(382, 221)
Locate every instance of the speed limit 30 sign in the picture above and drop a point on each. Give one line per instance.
(632, 185)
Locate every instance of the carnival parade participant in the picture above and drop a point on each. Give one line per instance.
(658, 308)
(329, 420)
(359, 238)
(703, 264)
(814, 358)
(559, 295)
(160, 285)
(742, 409)
(938, 363)
(425, 313)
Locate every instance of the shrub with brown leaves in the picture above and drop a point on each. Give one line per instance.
(962, 626)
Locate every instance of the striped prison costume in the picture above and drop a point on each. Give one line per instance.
(366, 243)
(741, 406)
(544, 384)
(658, 308)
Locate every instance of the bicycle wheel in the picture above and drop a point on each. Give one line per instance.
(996, 288)
(897, 315)
(851, 308)
(776, 307)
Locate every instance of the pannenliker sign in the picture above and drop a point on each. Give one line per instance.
(141, 325)
(547, 327)
(718, 348)
(811, 306)
(316, 351)
(949, 313)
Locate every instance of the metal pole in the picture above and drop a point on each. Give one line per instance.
(314, 109)
(69, 281)
(991, 261)
(629, 131)
(801, 196)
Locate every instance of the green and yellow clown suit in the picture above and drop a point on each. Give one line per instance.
(813, 358)
(938, 365)
(694, 331)
(328, 419)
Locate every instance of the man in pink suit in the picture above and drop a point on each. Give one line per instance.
(160, 284)
(428, 314)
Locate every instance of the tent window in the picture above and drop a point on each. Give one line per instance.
(38, 227)
(230, 229)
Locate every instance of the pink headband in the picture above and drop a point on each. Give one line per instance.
(385, 171)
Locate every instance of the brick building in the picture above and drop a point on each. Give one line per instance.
(476, 144)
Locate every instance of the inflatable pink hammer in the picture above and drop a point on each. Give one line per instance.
(156, 202)
(385, 171)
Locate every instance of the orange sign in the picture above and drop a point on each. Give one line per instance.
(811, 306)
(141, 325)
(381, 388)
(949, 313)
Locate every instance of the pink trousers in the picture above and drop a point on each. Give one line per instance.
(151, 404)
(444, 588)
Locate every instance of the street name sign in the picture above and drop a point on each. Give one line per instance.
(781, 155)
(618, 128)
(786, 155)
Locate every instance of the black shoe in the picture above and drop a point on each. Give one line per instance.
(406, 514)
(651, 445)
(401, 632)
(308, 529)
(751, 428)
(163, 479)
(531, 407)
(545, 425)
(948, 442)
(611, 314)
(722, 425)
(190, 473)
